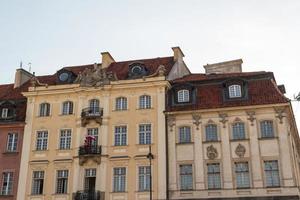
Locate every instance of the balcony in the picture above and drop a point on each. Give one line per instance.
(91, 113)
(88, 195)
(92, 152)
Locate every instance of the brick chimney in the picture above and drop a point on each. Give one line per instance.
(21, 76)
(178, 54)
(233, 66)
(107, 59)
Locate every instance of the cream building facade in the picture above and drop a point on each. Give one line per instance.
(89, 128)
(231, 135)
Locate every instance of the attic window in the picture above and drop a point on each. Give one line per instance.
(63, 77)
(4, 113)
(136, 69)
(235, 91)
(183, 96)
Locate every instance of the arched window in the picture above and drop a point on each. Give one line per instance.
(238, 131)
(183, 96)
(67, 108)
(145, 102)
(44, 109)
(121, 103)
(211, 132)
(94, 106)
(234, 91)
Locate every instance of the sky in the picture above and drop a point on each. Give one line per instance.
(57, 33)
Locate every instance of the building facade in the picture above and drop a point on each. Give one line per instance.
(231, 135)
(89, 130)
(12, 122)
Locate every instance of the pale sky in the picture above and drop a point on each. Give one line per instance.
(55, 33)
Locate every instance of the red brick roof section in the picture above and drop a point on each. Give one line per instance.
(8, 92)
(262, 89)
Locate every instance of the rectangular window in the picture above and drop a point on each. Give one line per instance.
(266, 129)
(93, 132)
(238, 131)
(37, 182)
(186, 177)
(145, 134)
(272, 173)
(242, 175)
(120, 135)
(12, 142)
(144, 178)
(67, 108)
(4, 113)
(213, 176)
(119, 179)
(62, 182)
(90, 179)
(184, 134)
(42, 140)
(65, 139)
(211, 132)
(7, 183)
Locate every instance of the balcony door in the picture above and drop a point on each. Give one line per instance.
(90, 181)
(94, 133)
(94, 106)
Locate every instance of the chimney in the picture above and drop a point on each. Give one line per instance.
(233, 66)
(21, 76)
(178, 54)
(107, 59)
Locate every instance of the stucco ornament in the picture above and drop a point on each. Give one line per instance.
(280, 114)
(211, 152)
(171, 122)
(223, 119)
(251, 116)
(240, 151)
(197, 121)
(95, 77)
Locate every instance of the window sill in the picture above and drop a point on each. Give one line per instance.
(60, 194)
(144, 145)
(40, 151)
(6, 195)
(43, 116)
(67, 115)
(212, 141)
(267, 138)
(213, 189)
(243, 188)
(184, 143)
(118, 192)
(120, 110)
(238, 140)
(145, 109)
(270, 187)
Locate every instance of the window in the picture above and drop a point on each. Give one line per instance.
(94, 106)
(121, 103)
(44, 109)
(42, 140)
(62, 182)
(12, 142)
(183, 96)
(37, 182)
(120, 135)
(90, 179)
(7, 183)
(65, 139)
(238, 131)
(242, 175)
(119, 179)
(186, 177)
(213, 176)
(184, 134)
(93, 132)
(234, 91)
(145, 134)
(211, 132)
(144, 178)
(145, 102)
(4, 113)
(272, 173)
(67, 108)
(266, 129)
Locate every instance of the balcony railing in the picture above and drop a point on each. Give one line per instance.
(87, 195)
(91, 113)
(89, 150)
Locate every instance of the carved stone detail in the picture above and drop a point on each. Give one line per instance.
(95, 77)
(280, 114)
(240, 151)
(84, 159)
(251, 116)
(211, 152)
(34, 81)
(171, 122)
(223, 120)
(197, 122)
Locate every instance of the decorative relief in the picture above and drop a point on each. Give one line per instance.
(197, 122)
(223, 120)
(84, 159)
(34, 81)
(171, 122)
(95, 77)
(240, 151)
(251, 116)
(280, 114)
(211, 152)
(161, 71)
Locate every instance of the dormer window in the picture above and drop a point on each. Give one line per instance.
(137, 70)
(4, 113)
(235, 91)
(183, 96)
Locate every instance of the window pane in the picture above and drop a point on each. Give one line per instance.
(120, 135)
(238, 131)
(242, 175)
(7, 183)
(145, 102)
(119, 179)
(145, 134)
(184, 134)
(42, 140)
(234, 91)
(211, 132)
(266, 128)
(12, 142)
(65, 139)
(183, 96)
(213, 175)
(144, 178)
(121, 103)
(272, 173)
(62, 181)
(38, 182)
(186, 177)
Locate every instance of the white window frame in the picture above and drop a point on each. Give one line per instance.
(183, 175)
(65, 139)
(37, 180)
(67, 108)
(145, 135)
(7, 183)
(4, 113)
(62, 177)
(144, 173)
(94, 105)
(43, 141)
(145, 102)
(118, 179)
(235, 91)
(242, 175)
(12, 143)
(183, 96)
(184, 134)
(120, 134)
(121, 103)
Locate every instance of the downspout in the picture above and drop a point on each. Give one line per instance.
(167, 157)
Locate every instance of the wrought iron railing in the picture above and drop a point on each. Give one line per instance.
(88, 150)
(87, 195)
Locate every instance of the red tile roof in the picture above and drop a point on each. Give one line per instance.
(262, 89)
